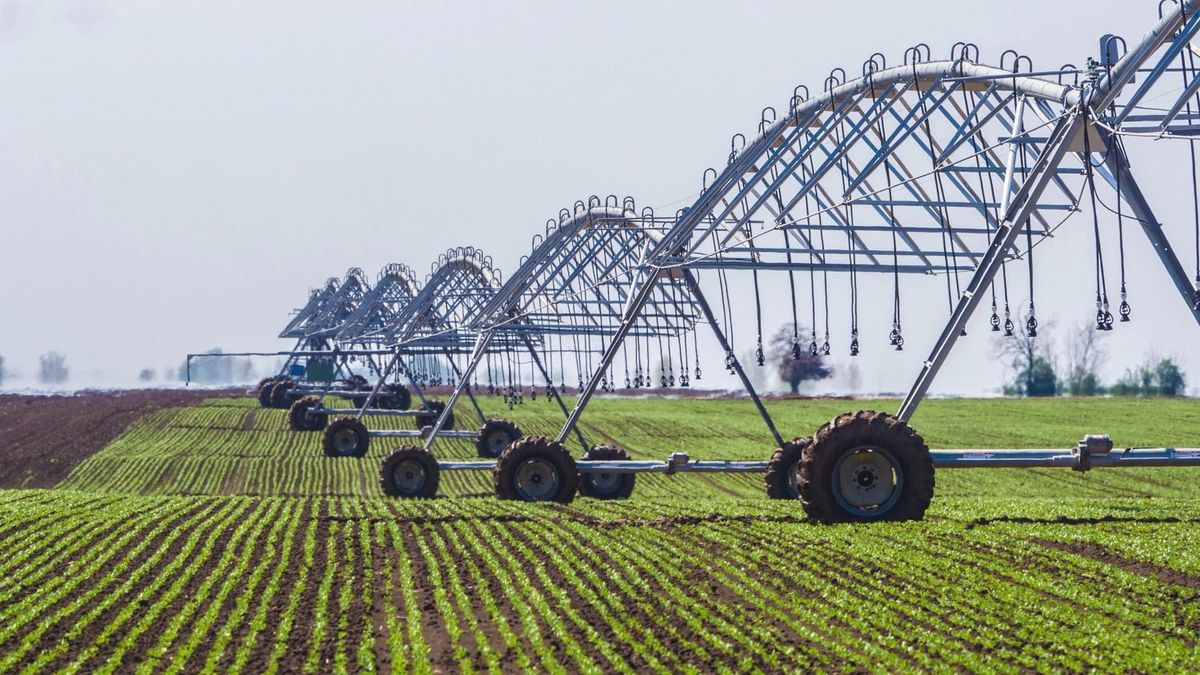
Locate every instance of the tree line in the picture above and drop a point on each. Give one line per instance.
(1036, 369)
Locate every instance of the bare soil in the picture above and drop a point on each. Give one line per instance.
(42, 438)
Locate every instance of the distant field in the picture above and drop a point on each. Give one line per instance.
(211, 537)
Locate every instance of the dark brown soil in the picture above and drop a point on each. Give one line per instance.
(42, 438)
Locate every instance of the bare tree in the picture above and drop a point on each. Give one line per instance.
(1084, 352)
(1029, 359)
(52, 368)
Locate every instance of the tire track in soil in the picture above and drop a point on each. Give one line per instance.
(830, 561)
(60, 629)
(1149, 605)
(1142, 568)
(950, 549)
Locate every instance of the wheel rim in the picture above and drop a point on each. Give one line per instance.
(793, 480)
(605, 483)
(497, 441)
(409, 477)
(345, 441)
(867, 481)
(536, 480)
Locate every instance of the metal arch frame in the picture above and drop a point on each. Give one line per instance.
(716, 212)
(435, 323)
(355, 326)
(576, 281)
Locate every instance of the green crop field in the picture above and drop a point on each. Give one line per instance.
(211, 537)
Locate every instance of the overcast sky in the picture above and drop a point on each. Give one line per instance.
(174, 175)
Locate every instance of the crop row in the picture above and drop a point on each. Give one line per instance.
(103, 583)
(230, 446)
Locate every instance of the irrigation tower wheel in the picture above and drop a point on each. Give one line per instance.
(866, 466)
(395, 396)
(496, 435)
(300, 417)
(346, 437)
(435, 409)
(357, 382)
(281, 394)
(536, 469)
(783, 470)
(409, 472)
(358, 398)
(264, 391)
(606, 485)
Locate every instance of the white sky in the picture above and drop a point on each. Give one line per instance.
(174, 175)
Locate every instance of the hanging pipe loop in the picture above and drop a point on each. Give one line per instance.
(964, 51)
(764, 121)
(1069, 69)
(872, 65)
(1015, 55)
(919, 53)
(629, 204)
(593, 201)
(1161, 3)
(579, 206)
(735, 147)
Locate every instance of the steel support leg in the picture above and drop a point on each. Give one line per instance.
(466, 387)
(481, 345)
(378, 385)
(698, 296)
(1019, 210)
(551, 388)
(632, 310)
(1118, 164)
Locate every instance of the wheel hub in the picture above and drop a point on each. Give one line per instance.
(346, 441)
(409, 476)
(536, 480)
(867, 481)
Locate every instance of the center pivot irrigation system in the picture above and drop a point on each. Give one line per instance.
(950, 169)
(423, 341)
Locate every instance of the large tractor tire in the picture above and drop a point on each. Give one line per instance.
(264, 391)
(281, 394)
(866, 466)
(346, 437)
(536, 469)
(409, 472)
(301, 416)
(495, 436)
(395, 397)
(606, 485)
(435, 409)
(783, 470)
